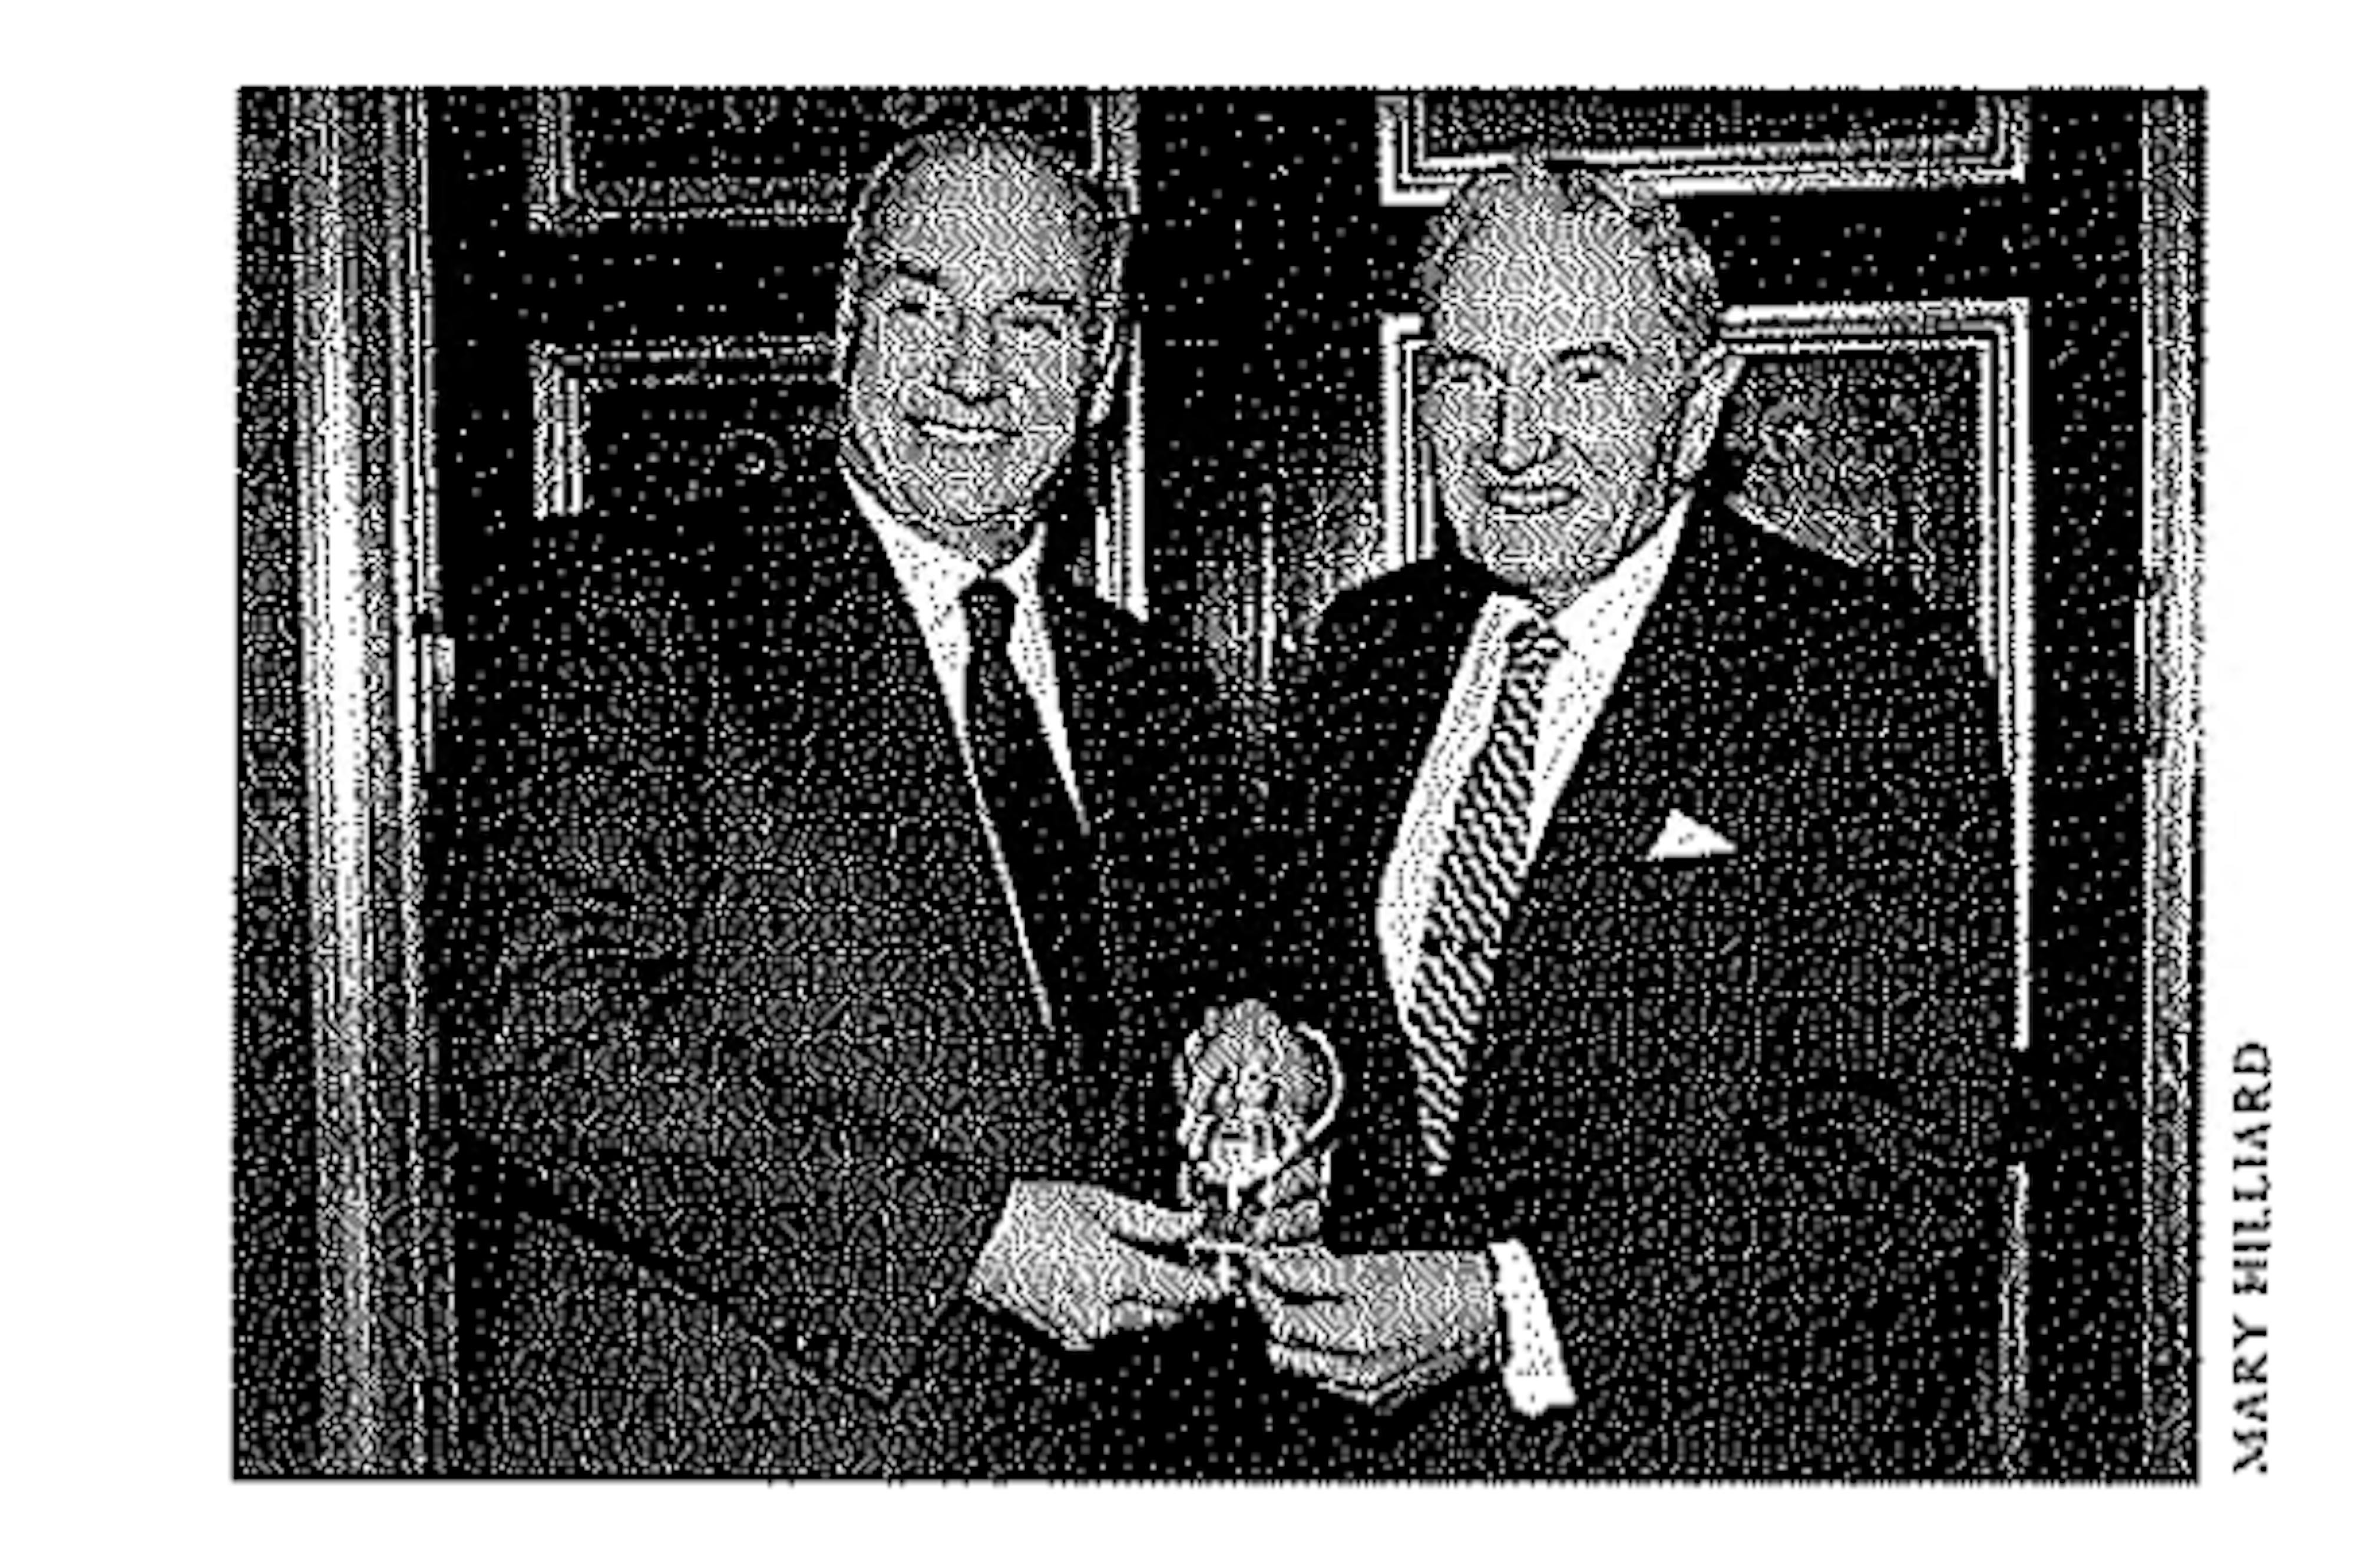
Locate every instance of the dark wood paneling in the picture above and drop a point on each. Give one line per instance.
(276, 1298)
(1265, 263)
(2082, 248)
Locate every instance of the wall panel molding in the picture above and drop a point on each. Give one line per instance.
(1975, 139)
(567, 382)
(671, 159)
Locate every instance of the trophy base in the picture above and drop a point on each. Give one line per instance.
(1225, 1260)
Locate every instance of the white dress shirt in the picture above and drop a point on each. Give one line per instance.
(1597, 631)
(932, 576)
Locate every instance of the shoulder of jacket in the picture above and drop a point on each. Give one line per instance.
(1835, 611)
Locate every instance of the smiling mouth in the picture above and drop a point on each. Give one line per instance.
(1530, 499)
(941, 433)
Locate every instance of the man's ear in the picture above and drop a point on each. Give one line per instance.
(847, 310)
(1107, 373)
(1709, 383)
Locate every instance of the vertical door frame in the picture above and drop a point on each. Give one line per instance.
(2173, 237)
(372, 666)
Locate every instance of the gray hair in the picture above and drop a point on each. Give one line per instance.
(1101, 226)
(1688, 286)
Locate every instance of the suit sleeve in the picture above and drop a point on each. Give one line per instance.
(1287, 838)
(1177, 881)
(1219, 866)
(1775, 1273)
(600, 1073)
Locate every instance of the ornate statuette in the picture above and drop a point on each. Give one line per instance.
(1258, 1095)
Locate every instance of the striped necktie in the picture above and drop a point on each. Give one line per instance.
(1478, 882)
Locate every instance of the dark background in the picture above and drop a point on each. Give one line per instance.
(1264, 260)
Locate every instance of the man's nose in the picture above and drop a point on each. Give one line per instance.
(971, 370)
(1521, 430)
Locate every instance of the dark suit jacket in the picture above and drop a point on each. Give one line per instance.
(1742, 1111)
(749, 1055)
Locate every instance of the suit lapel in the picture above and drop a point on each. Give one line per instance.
(866, 757)
(1105, 738)
(1678, 718)
(1406, 690)
(854, 666)
(1103, 732)
(1395, 695)
(1683, 693)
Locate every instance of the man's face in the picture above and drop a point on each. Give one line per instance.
(1554, 386)
(970, 354)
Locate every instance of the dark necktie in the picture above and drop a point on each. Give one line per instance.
(1041, 840)
(1478, 882)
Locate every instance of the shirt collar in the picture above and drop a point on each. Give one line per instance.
(932, 575)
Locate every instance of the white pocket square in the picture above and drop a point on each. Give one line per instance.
(1682, 837)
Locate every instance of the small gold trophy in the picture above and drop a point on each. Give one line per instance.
(1257, 1095)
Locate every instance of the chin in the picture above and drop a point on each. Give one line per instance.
(991, 525)
(1529, 584)
(966, 510)
(1509, 552)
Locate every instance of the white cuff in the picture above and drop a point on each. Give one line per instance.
(1534, 1377)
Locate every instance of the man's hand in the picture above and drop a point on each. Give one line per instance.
(1377, 1328)
(1084, 1265)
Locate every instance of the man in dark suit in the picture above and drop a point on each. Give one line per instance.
(1652, 875)
(855, 884)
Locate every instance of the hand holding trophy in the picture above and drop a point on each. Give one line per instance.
(1258, 1097)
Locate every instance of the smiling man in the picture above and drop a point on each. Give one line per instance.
(862, 879)
(1652, 876)
(977, 321)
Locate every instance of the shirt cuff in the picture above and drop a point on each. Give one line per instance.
(1534, 1377)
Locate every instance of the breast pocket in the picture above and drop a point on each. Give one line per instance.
(1659, 929)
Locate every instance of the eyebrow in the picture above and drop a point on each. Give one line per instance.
(932, 276)
(1441, 357)
(916, 271)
